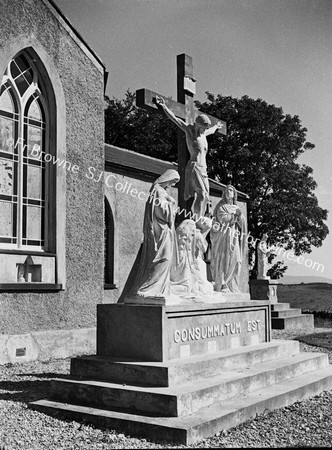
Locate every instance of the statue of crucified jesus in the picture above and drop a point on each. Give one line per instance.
(196, 180)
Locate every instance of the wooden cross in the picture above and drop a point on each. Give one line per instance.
(183, 108)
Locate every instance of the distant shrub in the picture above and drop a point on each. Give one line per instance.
(320, 286)
(320, 314)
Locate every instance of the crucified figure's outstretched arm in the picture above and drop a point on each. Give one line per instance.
(179, 122)
(214, 128)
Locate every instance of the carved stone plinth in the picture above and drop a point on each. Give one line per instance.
(264, 290)
(182, 373)
(161, 333)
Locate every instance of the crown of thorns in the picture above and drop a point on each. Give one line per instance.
(202, 119)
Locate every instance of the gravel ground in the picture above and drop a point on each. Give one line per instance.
(304, 424)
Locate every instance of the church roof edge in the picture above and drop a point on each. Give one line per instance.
(63, 19)
(122, 157)
(117, 156)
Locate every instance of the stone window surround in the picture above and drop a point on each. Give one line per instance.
(48, 72)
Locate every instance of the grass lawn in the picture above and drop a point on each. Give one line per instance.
(311, 296)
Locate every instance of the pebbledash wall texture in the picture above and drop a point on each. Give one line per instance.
(63, 319)
(60, 321)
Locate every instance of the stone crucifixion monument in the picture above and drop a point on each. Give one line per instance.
(184, 371)
(193, 126)
(193, 129)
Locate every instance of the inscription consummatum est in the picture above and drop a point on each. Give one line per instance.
(211, 331)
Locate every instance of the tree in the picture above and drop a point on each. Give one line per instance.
(135, 129)
(258, 156)
(277, 270)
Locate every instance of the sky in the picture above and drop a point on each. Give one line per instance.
(276, 50)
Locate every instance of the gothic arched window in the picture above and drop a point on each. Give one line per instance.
(109, 247)
(24, 178)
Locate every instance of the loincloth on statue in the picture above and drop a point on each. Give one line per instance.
(196, 180)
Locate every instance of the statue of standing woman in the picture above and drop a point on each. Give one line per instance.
(227, 242)
(263, 253)
(153, 275)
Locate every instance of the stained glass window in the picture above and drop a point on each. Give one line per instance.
(6, 219)
(22, 176)
(22, 73)
(6, 101)
(35, 182)
(7, 134)
(34, 111)
(6, 177)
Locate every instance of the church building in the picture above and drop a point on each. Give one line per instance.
(71, 207)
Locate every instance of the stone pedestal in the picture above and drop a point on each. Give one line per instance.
(264, 290)
(162, 333)
(181, 373)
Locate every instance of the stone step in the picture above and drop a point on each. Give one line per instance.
(186, 398)
(279, 306)
(286, 312)
(208, 421)
(298, 322)
(178, 371)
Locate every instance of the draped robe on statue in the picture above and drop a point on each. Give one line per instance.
(153, 276)
(183, 271)
(262, 259)
(227, 246)
(205, 287)
(188, 273)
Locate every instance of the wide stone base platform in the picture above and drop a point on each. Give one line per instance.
(209, 368)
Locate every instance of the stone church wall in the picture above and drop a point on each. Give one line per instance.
(78, 81)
